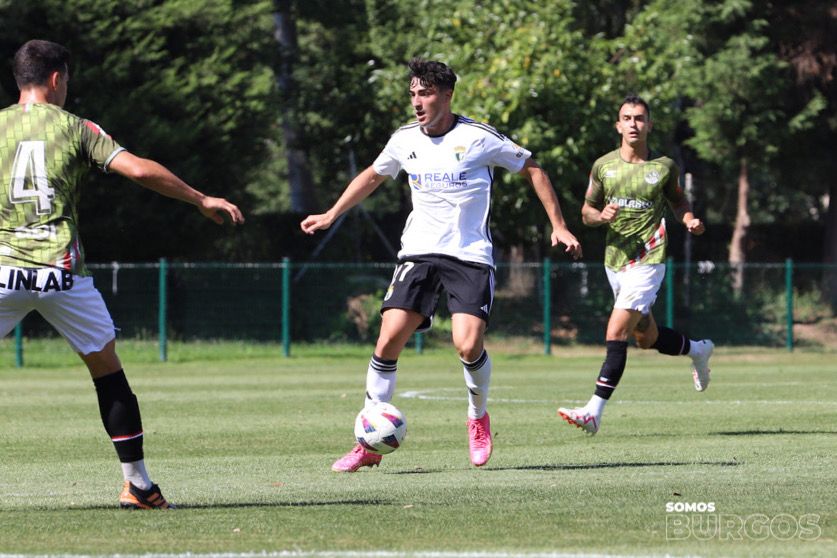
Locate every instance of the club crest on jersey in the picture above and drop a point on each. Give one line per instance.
(459, 152)
(652, 177)
(415, 181)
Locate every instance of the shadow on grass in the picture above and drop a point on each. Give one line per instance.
(770, 432)
(227, 505)
(615, 465)
(580, 466)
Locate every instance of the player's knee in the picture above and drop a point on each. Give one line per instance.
(388, 345)
(469, 350)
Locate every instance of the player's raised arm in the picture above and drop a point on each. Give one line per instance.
(358, 189)
(546, 193)
(154, 176)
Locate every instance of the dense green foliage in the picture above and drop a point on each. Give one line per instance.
(195, 84)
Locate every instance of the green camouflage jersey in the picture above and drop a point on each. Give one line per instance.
(638, 235)
(45, 152)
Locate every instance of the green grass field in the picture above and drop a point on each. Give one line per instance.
(243, 440)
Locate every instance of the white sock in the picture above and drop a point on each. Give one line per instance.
(694, 348)
(596, 405)
(136, 473)
(380, 380)
(477, 378)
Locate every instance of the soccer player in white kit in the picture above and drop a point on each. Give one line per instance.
(45, 152)
(446, 243)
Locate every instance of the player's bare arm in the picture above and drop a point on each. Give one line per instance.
(358, 190)
(593, 217)
(154, 176)
(683, 211)
(546, 193)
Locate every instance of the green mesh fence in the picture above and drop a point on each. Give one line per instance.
(553, 302)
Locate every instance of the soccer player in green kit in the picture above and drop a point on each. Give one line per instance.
(44, 154)
(628, 191)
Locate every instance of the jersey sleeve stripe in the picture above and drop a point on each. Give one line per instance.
(482, 126)
(409, 126)
(111, 157)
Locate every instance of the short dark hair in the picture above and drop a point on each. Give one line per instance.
(37, 59)
(635, 100)
(432, 73)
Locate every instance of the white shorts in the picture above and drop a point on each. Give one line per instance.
(636, 287)
(70, 303)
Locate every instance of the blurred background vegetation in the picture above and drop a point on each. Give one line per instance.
(276, 103)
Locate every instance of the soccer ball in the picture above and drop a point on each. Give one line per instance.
(380, 428)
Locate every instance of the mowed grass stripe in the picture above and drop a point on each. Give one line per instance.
(244, 445)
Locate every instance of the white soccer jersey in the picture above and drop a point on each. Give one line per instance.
(450, 179)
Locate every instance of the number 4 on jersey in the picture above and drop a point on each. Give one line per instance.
(29, 178)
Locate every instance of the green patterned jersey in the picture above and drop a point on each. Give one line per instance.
(45, 152)
(637, 235)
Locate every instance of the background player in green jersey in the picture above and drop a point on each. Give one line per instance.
(628, 192)
(44, 154)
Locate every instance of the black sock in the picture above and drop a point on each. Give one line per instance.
(120, 415)
(614, 365)
(670, 342)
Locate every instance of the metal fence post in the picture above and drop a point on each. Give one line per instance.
(419, 341)
(19, 345)
(286, 307)
(162, 304)
(789, 302)
(547, 306)
(669, 292)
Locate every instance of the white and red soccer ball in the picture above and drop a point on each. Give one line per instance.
(380, 428)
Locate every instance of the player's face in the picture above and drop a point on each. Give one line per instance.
(430, 105)
(633, 124)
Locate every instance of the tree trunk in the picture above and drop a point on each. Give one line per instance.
(830, 249)
(738, 244)
(299, 174)
(521, 281)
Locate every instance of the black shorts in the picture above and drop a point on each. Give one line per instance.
(418, 281)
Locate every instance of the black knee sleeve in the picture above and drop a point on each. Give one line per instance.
(614, 365)
(120, 415)
(670, 342)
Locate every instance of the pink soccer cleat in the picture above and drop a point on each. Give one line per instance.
(356, 459)
(479, 440)
(580, 418)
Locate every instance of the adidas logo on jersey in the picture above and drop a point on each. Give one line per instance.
(412, 155)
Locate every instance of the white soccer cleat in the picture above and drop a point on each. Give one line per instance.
(700, 363)
(580, 418)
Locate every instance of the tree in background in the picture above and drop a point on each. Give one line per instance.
(194, 83)
(525, 68)
(718, 68)
(187, 82)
